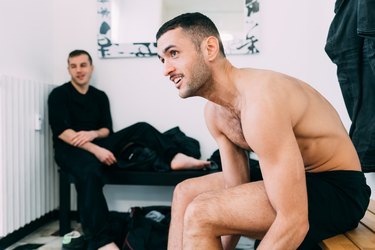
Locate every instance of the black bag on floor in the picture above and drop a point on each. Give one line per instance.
(148, 228)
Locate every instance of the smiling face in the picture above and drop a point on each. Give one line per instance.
(184, 63)
(80, 70)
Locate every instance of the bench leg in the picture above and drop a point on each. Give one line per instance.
(64, 219)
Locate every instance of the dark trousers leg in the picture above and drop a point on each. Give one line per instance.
(93, 210)
(355, 59)
(362, 130)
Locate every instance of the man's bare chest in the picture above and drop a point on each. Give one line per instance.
(231, 127)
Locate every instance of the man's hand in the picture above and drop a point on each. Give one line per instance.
(105, 156)
(83, 137)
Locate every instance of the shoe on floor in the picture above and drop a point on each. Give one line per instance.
(73, 241)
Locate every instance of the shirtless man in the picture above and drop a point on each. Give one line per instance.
(312, 186)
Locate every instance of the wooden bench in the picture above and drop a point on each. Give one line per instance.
(121, 177)
(363, 237)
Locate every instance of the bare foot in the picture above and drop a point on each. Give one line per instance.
(182, 161)
(110, 246)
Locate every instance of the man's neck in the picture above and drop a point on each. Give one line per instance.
(224, 90)
(83, 88)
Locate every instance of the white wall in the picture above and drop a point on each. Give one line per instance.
(26, 41)
(293, 35)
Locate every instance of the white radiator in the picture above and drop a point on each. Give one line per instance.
(28, 174)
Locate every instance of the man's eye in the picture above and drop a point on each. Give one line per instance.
(173, 53)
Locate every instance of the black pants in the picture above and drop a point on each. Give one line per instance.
(351, 46)
(88, 173)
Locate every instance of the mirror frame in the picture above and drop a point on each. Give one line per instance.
(240, 45)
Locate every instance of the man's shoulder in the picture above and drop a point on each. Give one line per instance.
(216, 109)
(96, 91)
(211, 108)
(65, 86)
(60, 89)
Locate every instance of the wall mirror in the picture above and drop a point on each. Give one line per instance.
(127, 28)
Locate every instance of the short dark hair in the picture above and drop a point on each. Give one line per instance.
(79, 52)
(196, 24)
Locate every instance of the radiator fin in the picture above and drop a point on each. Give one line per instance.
(28, 173)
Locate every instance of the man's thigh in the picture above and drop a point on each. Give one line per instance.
(78, 162)
(241, 210)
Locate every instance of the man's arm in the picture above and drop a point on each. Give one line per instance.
(77, 139)
(235, 163)
(268, 127)
(83, 139)
(234, 160)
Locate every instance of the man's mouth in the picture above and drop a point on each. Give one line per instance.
(80, 77)
(176, 79)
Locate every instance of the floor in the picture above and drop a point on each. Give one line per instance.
(46, 238)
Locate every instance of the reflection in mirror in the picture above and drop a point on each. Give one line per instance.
(127, 28)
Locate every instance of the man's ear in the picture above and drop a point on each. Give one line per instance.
(212, 47)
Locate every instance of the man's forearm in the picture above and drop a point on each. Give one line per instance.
(90, 147)
(79, 138)
(102, 133)
(286, 233)
(68, 137)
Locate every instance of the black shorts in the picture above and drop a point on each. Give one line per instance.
(337, 201)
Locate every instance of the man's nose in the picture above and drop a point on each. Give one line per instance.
(168, 68)
(79, 68)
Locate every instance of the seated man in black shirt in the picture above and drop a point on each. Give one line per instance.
(84, 142)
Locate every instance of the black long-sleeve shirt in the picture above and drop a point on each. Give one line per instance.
(69, 109)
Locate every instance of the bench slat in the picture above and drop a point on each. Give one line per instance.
(338, 242)
(371, 206)
(362, 237)
(369, 221)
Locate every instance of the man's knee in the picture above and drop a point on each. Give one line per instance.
(201, 214)
(183, 192)
(143, 126)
